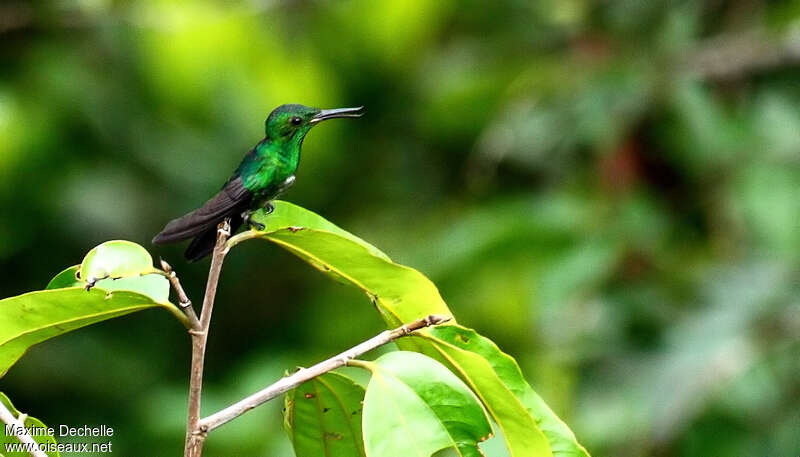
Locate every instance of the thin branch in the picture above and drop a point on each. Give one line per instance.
(730, 55)
(195, 437)
(20, 431)
(243, 236)
(183, 300)
(284, 384)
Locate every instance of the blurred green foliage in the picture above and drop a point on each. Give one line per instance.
(609, 190)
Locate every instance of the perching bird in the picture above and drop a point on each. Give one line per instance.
(266, 171)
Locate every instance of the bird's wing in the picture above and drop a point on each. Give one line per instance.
(204, 243)
(233, 197)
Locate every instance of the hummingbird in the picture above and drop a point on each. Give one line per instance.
(264, 173)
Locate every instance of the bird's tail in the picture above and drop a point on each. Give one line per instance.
(201, 224)
(203, 244)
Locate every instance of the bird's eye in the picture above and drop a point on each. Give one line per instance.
(295, 120)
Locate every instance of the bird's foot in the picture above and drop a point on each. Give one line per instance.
(248, 221)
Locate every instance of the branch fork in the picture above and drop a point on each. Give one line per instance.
(305, 374)
(184, 303)
(197, 429)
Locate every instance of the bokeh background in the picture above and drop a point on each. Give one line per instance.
(609, 190)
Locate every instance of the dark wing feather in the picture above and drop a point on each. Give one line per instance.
(232, 199)
(204, 243)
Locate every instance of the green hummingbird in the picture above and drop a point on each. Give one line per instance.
(266, 171)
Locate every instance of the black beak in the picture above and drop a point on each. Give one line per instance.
(338, 112)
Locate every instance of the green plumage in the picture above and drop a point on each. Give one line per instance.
(266, 171)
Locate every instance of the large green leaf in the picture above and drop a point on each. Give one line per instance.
(31, 318)
(470, 354)
(323, 417)
(402, 294)
(31, 423)
(414, 406)
(65, 305)
(288, 215)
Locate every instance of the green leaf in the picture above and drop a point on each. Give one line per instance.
(130, 286)
(67, 278)
(288, 215)
(39, 437)
(152, 285)
(414, 406)
(323, 417)
(31, 318)
(402, 294)
(497, 379)
(115, 259)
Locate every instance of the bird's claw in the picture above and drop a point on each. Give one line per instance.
(248, 220)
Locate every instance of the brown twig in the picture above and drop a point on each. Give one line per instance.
(183, 300)
(284, 384)
(195, 436)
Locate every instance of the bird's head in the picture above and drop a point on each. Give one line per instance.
(288, 124)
